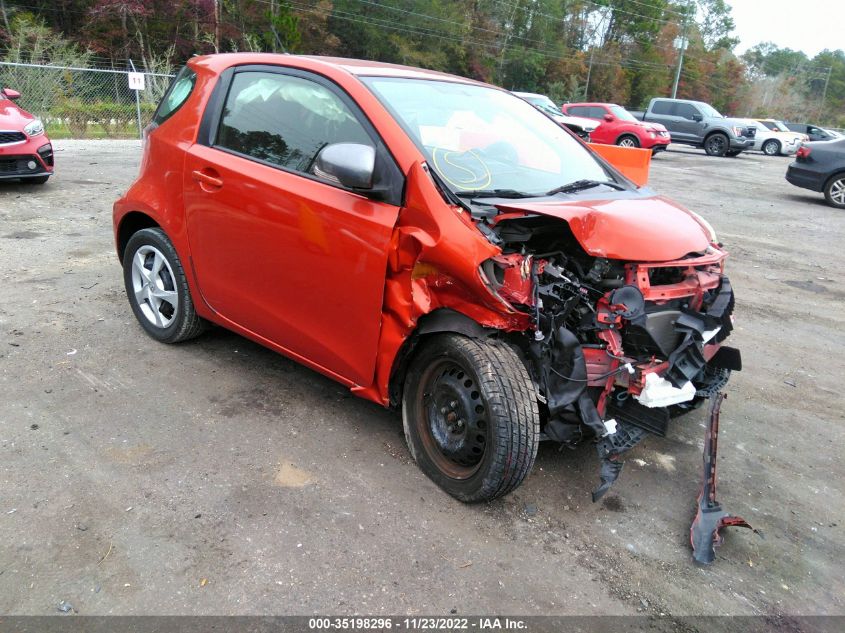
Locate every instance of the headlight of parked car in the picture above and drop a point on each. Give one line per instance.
(737, 131)
(34, 128)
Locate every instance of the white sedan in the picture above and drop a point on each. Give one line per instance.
(773, 138)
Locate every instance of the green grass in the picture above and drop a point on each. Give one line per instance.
(93, 131)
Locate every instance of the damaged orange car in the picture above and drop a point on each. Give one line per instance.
(433, 243)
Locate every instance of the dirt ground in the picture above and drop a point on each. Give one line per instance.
(217, 477)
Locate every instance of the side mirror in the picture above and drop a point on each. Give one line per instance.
(697, 118)
(608, 117)
(12, 94)
(349, 164)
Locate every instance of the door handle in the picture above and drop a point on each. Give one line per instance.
(205, 178)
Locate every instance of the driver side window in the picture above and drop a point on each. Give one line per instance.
(285, 120)
(685, 110)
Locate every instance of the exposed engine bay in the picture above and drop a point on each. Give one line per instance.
(618, 348)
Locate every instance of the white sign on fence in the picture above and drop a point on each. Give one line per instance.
(136, 81)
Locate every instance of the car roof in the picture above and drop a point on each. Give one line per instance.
(357, 67)
(592, 103)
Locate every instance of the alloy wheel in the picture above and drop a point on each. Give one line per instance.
(837, 191)
(627, 142)
(153, 286)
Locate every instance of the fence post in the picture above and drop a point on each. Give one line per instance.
(137, 105)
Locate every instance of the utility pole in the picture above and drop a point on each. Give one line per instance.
(824, 92)
(592, 54)
(682, 46)
(5, 16)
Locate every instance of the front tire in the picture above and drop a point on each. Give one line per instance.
(469, 411)
(628, 141)
(716, 144)
(158, 289)
(771, 147)
(834, 191)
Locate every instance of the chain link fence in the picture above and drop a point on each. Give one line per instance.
(85, 102)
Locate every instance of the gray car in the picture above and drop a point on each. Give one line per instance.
(699, 124)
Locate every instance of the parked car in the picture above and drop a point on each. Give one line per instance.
(820, 166)
(617, 126)
(699, 124)
(774, 138)
(833, 133)
(813, 132)
(436, 245)
(581, 126)
(26, 153)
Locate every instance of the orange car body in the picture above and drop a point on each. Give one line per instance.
(344, 282)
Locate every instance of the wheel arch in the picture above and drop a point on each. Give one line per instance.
(130, 224)
(713, 132)
(628, 133)
(441, 321)
(837, 174)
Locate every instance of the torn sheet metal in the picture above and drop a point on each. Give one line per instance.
(705, 532)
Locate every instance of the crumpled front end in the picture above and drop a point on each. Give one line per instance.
(618, 347)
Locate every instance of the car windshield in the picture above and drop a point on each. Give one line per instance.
(710, 111)
(622, 114)
(546, 106)
(480, 138)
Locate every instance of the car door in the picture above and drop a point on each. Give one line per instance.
(686, 125)
(605, 132)
(290, 257)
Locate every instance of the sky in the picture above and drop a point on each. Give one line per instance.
(805, 25)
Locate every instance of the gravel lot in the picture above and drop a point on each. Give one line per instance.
(217, 477)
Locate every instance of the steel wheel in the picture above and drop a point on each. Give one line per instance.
(835, 191)
(154, 287)
(451, 423)
(469, 412)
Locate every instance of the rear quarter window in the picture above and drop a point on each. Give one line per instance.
(176, 95)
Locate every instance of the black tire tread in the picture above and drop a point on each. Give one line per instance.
(191, 325)
(512, 403)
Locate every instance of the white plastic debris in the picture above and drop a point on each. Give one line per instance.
(659, 392)
(710, 333)
(610, 426)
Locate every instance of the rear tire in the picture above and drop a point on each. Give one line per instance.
(834, 191)
(158, 289)
(469, 411)
(627, 140)
(716, 144)
(771, 147)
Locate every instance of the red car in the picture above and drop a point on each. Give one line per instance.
(25, 151)
(433, 243)
(620, 127)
